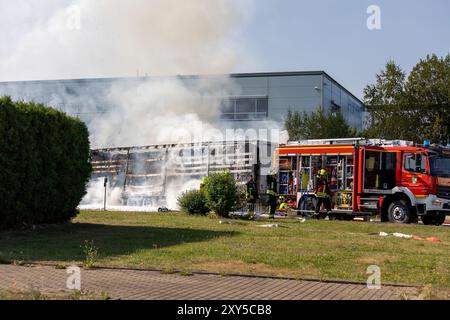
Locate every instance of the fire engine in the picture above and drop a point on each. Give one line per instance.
(397, 180)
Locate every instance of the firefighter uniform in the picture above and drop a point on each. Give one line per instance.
(251, 196)
(203, 184)
(323, 192)
(283, 204)
(272, 193)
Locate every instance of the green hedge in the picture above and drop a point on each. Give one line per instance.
(44, 164)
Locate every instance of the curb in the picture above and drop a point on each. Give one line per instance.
(175, 271)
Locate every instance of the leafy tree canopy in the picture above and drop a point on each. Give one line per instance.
(414, 107)
(318, 124)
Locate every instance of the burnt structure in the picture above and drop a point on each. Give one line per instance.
(147, 174)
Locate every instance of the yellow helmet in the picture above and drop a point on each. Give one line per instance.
(323, 172)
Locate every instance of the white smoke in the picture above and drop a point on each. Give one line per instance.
(95, 195)
(107, 38)
(162, 110)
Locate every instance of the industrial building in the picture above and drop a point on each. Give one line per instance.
(261, 98)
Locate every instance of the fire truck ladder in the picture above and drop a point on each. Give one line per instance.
(353, 141)
(317, 142)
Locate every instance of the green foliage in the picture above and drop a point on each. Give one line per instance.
(90, 252)
(221, 193)
(317, 125)
(193, 202)
(414, 108)
(44, 164)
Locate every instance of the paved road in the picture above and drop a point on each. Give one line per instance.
(154, 285)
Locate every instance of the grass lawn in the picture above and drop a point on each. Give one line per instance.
(318, 249)
(36, 295)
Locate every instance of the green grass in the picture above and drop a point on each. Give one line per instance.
(33, 294)
(177, 242)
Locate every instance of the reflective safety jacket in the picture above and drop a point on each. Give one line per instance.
(252, 191)
(322, 189)
(272, 187)
(283, 206)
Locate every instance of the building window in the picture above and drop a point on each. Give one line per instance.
(245, 108)
(227, 109)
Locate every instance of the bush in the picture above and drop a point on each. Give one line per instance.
(44, 161)
(193, 202)
(221, 193)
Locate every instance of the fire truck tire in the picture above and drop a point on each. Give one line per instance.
(347, 217)
(400, 212)
(436, 220)
(440, 219)
(307, 204)
(414, 218)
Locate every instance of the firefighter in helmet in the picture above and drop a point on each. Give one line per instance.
(251, 196)
(272, 194)
(323, 192)
(283, 203)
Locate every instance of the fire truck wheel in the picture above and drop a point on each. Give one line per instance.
(436, 220)
(399, 212)
(440, 219)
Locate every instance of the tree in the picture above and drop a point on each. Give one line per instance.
(428, 92)
(411, 108)
(317, 125)
(383, 100)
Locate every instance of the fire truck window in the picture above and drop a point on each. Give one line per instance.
(388, 164)
(316, 164)
(372, 170)
(415, 163)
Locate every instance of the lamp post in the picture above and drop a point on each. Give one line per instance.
(104, 198)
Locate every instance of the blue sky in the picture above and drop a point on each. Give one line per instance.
(332, 35)
(276, 35)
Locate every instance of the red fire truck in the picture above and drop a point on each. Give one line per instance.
(397, 180)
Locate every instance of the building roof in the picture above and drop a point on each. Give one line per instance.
(294, 73)
(233, 75)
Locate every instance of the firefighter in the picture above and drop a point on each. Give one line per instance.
(251, 196)
(272, 193)
(323, 192)
(283, 203)
(203, 184)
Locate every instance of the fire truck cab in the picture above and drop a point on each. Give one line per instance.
(396, 180)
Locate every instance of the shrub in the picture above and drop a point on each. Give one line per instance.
(90, 254)
(193, 202)
(44, 161)
(221, 193)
